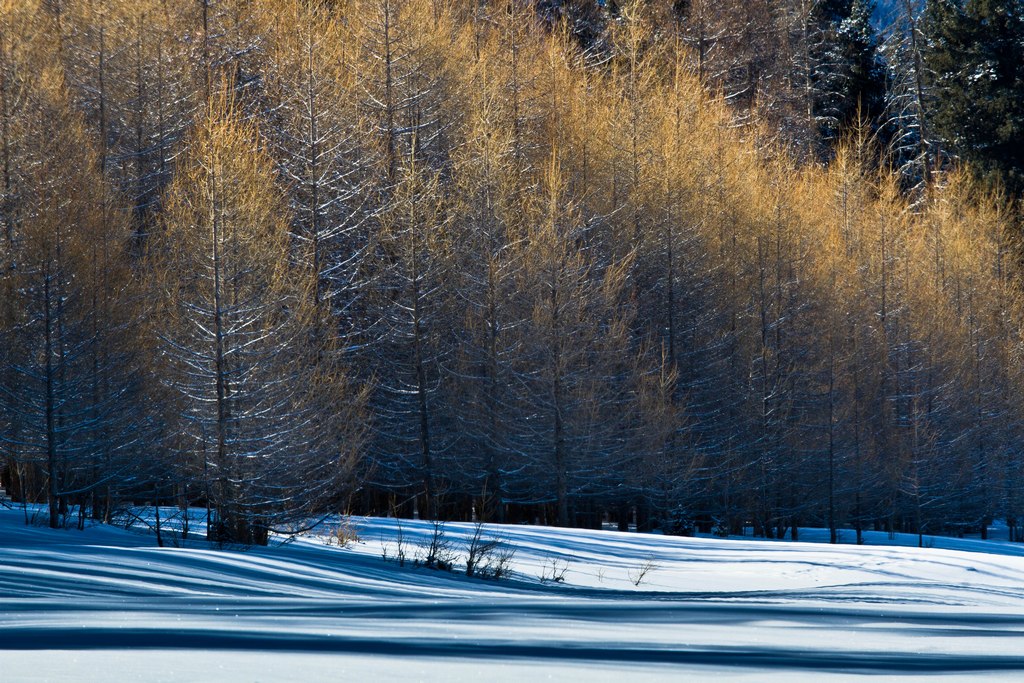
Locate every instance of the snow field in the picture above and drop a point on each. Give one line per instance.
(105, 604)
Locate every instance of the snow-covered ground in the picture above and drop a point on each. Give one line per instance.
(104, 604)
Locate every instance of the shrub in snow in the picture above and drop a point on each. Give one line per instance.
(439, 552)
(343, 534)
(554, 570)
(487, 558)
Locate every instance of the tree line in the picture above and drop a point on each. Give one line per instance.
(701, 264)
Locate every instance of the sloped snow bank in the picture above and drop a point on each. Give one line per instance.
(104, 604)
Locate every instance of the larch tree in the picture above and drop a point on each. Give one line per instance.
(489, 230)
(575, 359)
(66, 382)
(909, 98)
(232, 321)
(399, 72)
(317, 137)
(412, 341)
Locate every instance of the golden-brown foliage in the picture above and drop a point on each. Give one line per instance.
(580, 270)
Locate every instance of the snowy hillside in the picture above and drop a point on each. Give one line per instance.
(105, 604)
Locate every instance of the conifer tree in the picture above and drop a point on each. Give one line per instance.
(315, 129)
(850, 80)
(575, 361)
(411, 342)
(975, 60)
(908, 98)
(489, 230)
(67, 378)
(251, 387)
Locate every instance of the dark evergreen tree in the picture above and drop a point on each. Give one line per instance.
(848, 78)
(975, 61)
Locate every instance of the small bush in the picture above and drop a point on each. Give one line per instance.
(487, 558)
(438, 553)
(499, 566)
(400, 546)
(343, 534)
(637, 575)
(554, 570)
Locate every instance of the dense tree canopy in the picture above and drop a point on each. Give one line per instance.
(975, 60)
(693, 263)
